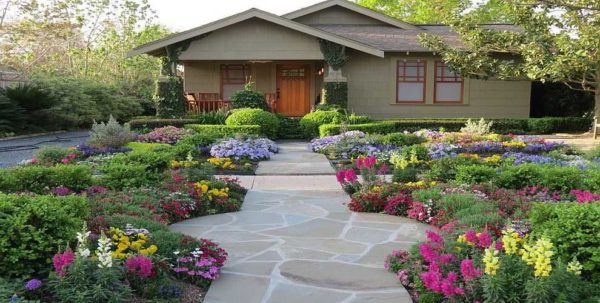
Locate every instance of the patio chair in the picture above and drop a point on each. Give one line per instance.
(595, 128)
(191, 102)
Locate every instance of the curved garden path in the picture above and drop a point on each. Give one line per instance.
(295, 241)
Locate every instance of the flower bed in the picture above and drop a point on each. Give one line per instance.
(505, 208)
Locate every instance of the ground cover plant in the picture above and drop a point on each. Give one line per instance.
(514, 216)
(96, 215)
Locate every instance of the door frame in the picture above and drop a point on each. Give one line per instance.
(307, 81)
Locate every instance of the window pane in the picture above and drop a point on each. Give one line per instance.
(230, 89)
(412, 71)
(448, 92)
(410, 92)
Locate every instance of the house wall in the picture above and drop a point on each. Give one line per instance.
(337, 15)
(205, 76)
(372, 91)
(254, 39)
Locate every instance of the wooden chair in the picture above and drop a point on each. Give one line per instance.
(271, 101)
(191, 103)
(595, 128)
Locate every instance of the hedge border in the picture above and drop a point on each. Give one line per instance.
(225, 130)
(154, 123)
(537, 126)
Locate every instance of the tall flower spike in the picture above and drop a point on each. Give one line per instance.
(82, 242)
(103, 253)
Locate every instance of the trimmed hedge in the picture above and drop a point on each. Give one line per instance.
(532, 125)
(225, 130)
(42, 179)
(156, 122)
(311, 122)
(34, 228)
(268, 122)
(336, 93)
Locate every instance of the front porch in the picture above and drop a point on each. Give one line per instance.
(291, 88)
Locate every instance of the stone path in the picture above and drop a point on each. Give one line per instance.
(295, 241)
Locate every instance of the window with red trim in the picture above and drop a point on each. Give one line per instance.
(448, 84)
(233, 79)
(410, 84)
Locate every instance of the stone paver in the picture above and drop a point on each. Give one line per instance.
(295, 241)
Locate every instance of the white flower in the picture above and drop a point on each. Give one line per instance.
(103, 252)
(82, 240)
(84, 253)
(176, 252)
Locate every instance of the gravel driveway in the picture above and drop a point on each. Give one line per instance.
(13, 151)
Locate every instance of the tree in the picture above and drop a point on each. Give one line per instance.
(553, 41)
(83, 39)
(434, 11)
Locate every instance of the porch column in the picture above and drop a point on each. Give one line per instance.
(335, 85)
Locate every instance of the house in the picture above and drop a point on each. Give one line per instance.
(389, 73)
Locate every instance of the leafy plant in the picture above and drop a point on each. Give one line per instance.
(42, 179)
(480, 128)
(248, 98)
(170, 102)
(268, 122)
(110, 134)
(310, 122)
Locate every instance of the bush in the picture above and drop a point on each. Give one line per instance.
(167, 135)
(408, 174)
(289, 128)
(51, 155)
(268, 122)
(30, 105)
(34, 228)
(573, 228)
(310, 122)
(120, 176)
(141, 146)
(444, 169)
(42, 179)
(358, 119)
(369, 128)
(336, 93)
(401, 139)
(223, 131)
(110, 134)
(553, 177)
(12, 116)
(216, 117)
(473, 174)
(170, 100)
(152, 123)
(249, 99)
(156, 161)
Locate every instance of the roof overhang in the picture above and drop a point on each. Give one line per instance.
(353, 7)
(157, 47)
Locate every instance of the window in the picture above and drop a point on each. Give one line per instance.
(448, 85)
(233, 79)
(411, 81)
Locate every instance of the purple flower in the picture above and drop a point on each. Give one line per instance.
(61, 191)
(252, 149)
(33, 284)
(89, 151)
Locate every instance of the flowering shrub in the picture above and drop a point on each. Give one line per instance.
(251, 149)
(166, 135)
(88, 151)
(201, 264)
(131, 241)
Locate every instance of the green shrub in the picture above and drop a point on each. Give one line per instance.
(110, 134)
(30, 105)
(12, 116)
(357, 119)
(558, 124)
(518, 176)
(289, 128)
(248, 98)
(152, 123)
(473, 174)
(405, 175)
(401, 139)
(170, 99)
(190, 145)
(573, 228)
(268, 122)
(592, 180)
(444, 169)
(369, 128)
(42, 179)
(594, 153)
(328, 107)
(310, 122)
(554, 177)
(223, 131)
(120, 176)
(142, 146)
(34, 228)
(155, 161)
(51, 154)
(336, 93)
(420, 151)
(216, 117)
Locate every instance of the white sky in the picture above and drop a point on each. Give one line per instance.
(180, 15)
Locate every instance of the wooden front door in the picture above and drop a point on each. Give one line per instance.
(293, 84)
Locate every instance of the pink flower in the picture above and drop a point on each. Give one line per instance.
(484, 240)
(435, 238)
(370, 161)
(360, 162)
(351, 175)
(428, 253)
(499, 245)
(583, 196)
(446, 258)
(471, 236)
(341, 176)
(383, 169)
(140, 265)
(61, 261)
(468, 270)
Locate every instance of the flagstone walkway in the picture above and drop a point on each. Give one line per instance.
(295, 241)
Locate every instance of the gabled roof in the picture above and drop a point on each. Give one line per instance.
(157, 47)
(353, 7)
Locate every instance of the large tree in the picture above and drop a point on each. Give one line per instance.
(82, 39)
(434, 11)
(554, 41)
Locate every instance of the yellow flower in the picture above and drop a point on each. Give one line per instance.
(491, 261)
(493, 159)
(148, 251)
(539, 255)
(461, 239)
(574, 267)
(175, 164)
(514, 144)
(511, 241)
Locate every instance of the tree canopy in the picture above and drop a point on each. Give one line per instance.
(554, 40)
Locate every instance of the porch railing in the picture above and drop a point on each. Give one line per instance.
(211, 102)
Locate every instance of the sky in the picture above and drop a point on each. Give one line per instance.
(180, 15)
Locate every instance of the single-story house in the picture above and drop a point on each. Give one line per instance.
(389, 73)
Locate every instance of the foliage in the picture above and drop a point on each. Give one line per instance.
(142, 146)
(43, 179)
(289, 128)
(34, 227)
(170, 101)
(401, 139)
(558, 100)
(480, 128)
(12, 116)
(268, 122)
(408, 174)
(473, 174)
(334, 54)
(110, 134)
(226, 130)
(310, 122)
(152, 123)
(214, 117)
(571, 227)
(248, 98)
(335, 93)
(120, 176)
(50, 155)
(555, 47)
(166, 135)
